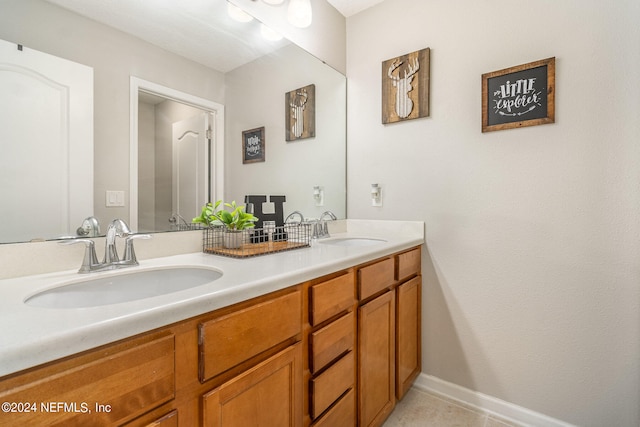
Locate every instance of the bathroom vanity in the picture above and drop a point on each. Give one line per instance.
(323, 336)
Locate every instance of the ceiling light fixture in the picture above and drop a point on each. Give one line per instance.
(299, 13)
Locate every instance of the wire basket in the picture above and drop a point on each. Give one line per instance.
(189, 227)
(255, 241)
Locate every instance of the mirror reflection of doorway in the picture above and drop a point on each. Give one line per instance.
(190, 167)
(153, 111)
(173, 162)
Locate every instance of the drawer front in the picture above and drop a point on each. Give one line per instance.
(342, 414)
(230, 340)
(375, 277)
(331, 298)
(333, 340)
(331, 384)
(107, 387)
(408, 264)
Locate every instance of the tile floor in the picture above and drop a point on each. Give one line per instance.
(421, 409)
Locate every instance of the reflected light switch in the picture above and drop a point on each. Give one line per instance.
(114, 198)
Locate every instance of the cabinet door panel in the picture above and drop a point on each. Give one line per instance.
(408, 363)
(376, 346)
(267, 395)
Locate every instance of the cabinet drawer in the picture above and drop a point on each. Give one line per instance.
(331, 298)
(332, 341)
(331, 384)
(230, 340)
(343, 412)
(408, 264)
(375, 277)
(109, 386)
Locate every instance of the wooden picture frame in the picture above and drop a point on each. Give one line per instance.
(519, 96)
(405, 87)
(253, 145)
(300, 113)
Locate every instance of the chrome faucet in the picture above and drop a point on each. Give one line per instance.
(176, 220)
(89, 227)
(321, 229)
(292, 215)
(117, 228)
(111, 261)
(90, 261)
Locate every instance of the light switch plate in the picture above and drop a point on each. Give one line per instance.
(114, 199)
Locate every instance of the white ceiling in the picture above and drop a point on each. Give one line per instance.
(351, 7)
(200, 30)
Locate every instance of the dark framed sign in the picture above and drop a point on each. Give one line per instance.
(253, 145)
(519, 96)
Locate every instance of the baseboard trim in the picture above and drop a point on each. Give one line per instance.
(485, 403)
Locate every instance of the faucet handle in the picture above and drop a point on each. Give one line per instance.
(90, 259)
(129, 253)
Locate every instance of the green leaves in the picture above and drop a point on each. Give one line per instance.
(236, 219)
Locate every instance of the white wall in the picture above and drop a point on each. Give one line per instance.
(290, 168)
(532, 262)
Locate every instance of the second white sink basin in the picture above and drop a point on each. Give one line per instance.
(117, 288)
(352, 241)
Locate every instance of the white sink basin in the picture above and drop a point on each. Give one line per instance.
(352, 241)
(117, 288)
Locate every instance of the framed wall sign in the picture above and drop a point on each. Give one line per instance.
(519, 96)
(405, 87)
(253, 145)
(300, 113)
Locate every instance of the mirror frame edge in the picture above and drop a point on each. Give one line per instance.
(217, 151)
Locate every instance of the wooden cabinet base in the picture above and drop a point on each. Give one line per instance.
(334, 351)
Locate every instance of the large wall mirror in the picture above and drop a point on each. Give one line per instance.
(192, 48)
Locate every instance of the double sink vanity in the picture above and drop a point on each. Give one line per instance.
(327, 335)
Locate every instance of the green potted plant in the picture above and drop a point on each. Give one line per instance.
(235, 221)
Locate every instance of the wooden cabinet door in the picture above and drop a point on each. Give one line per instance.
(267, 395)
(376, 344)
(408, 336)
